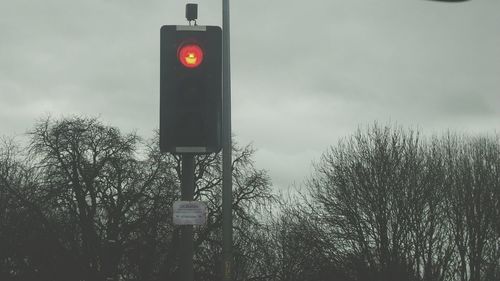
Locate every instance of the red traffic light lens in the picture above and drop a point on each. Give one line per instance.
(191, 55)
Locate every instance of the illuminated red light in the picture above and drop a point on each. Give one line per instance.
(191, 55)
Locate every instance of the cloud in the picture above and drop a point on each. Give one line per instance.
(305, 73)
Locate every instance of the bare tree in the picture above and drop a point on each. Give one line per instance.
(473, 179)
(378, 196)
(101, 202)
(96, 185)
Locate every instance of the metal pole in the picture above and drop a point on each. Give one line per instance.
(227, 184)
(187, 194)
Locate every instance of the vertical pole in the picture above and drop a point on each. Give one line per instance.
(227, 184)
(187, 194)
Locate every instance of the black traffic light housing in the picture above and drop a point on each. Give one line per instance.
(190, 89)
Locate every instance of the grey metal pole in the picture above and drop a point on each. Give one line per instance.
(187, 194)
(227, 184)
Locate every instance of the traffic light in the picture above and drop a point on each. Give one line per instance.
(190, 89)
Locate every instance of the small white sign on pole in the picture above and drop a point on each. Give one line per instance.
(190, 213)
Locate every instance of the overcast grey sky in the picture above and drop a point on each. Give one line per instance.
(305, 73)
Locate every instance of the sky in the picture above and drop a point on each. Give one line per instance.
(305, 74)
